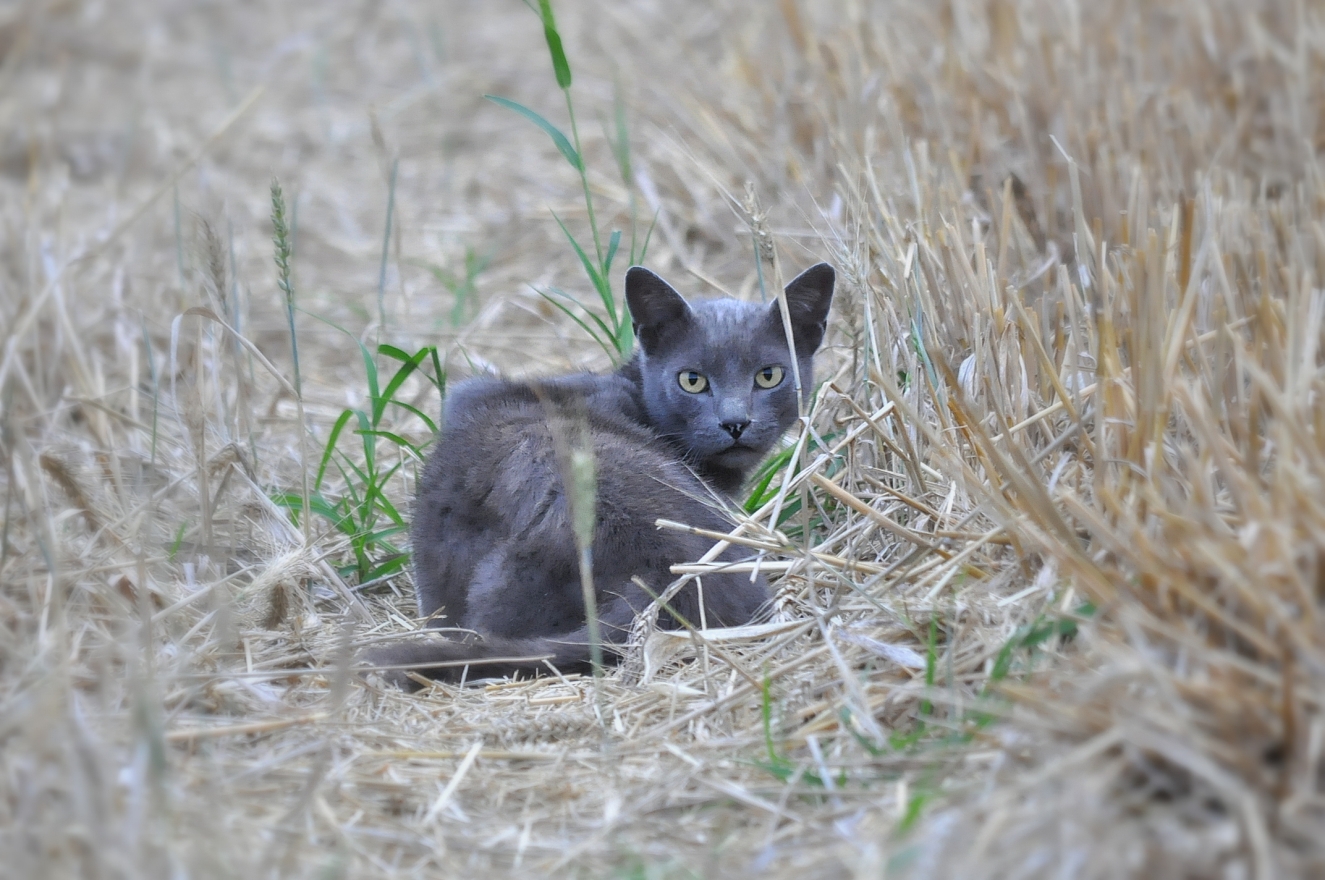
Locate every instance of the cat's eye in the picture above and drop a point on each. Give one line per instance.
(691, 381)
(769, 377)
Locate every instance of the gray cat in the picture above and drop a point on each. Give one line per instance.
(673, 433)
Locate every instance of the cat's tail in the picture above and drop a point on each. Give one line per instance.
(454, 660)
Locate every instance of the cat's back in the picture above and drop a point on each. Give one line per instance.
(485, 401)
(491, 423)
(505, 445)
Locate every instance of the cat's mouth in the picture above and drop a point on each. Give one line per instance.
(737, 453)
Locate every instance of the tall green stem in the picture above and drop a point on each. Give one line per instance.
(584, 180)
(282, 240)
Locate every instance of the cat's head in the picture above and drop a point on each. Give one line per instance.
(717, 374)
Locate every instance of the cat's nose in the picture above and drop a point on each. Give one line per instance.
(736, 427)
(734, 416)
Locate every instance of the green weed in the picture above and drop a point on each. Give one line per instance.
(177, 542)
(915, 806)
(777, 765)
(931, 660)
(1023, 645)
(1018, 653)
(764, 485)
(283, 244)
(463, 288)
(364, 512)
(1028, 639)
(612, 331)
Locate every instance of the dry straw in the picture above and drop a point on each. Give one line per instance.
(1049, 551)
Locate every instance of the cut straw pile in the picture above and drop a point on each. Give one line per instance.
(1050, 554)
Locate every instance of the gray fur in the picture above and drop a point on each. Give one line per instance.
(494, 549)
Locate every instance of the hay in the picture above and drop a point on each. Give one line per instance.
(1051, 566)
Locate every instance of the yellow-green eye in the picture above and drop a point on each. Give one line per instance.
(769, 377)
(692, 381)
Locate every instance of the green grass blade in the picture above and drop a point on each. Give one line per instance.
(559, 63)
(377, 481)
(612, 244)
(602, 325)
(644, 247)
(369, 446)
(759, 494)
(605, 342)
(411, 364)
(931, 660)
(332, 513)
(563, 143)
(764, 478)
(589, 269)
(381, 535)
(392, 386)
(428, 352)
(360, 479)
(914, 807)
(393, 437)
(438, 378)
(415, 411)
(331, 447)
(648, 235)
(294, 502)
(375, 502)
(370, 372)
(428, 423)
(394, 353)
(388, 566)
(625, 337)
(385, 507)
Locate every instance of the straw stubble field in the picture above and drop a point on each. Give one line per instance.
(1049, 556)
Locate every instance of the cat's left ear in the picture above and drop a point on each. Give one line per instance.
(656, 309)
(809, 296)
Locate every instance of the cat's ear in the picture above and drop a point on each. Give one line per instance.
(656, 310)
(808, 297)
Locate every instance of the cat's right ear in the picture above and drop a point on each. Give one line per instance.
(809, 296)
(656, 309)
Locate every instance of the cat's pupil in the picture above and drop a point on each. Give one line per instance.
(691, 381)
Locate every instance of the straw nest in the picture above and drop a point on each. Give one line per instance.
(1049, 558)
